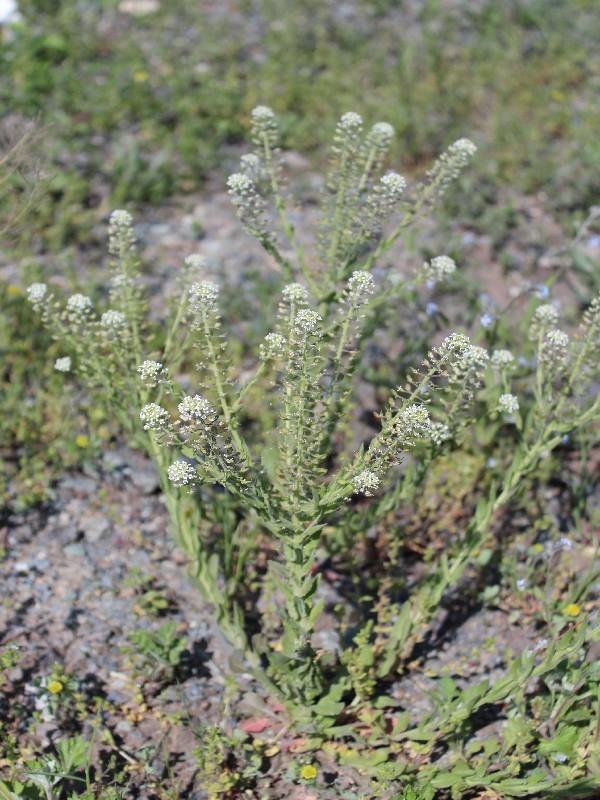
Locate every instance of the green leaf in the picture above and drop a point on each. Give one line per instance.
(328, 708)
(269, 459)
(362, 759)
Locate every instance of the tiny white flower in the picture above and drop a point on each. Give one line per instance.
(546, 314)
(502, 358)
(412, 422)
(442, 266)
(382, 132)
(195, 261)
(63, 364)
(155, 417)
(37, 292)
(262, 114)
(362, 284)
(203, 296)
(557, 339)
(121, 219)
(486, 320)
(561, 758)
(182, 474)
(463, 146)
(474, 357)
(112, 320)
(240, 184)
(250, 163)
(151, 372)
(366, 482)
(554, 348)
(197, 409)
(393, 184)
(455, 342)
(307, 320)
(439, 432)
(350, 121)
(79, 307)
(508, 404)
(273, 346)
(295, 293)
(521, 584)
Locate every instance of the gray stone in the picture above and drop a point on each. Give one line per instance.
(74, 549)
(94, 527)
(145, 479)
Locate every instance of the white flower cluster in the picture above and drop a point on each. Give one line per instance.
(502, 358)
(273, 346)
(262, 114)
(350, 122)
(79, 307)
(182, 474)
(120, 232)
(437, 269)
(203, 296)
(249, 204)
(120, 219)
(449, 165)
(155, 417)
(545, 316)
(197, 409)
(393, 184)
(508, 404)
(382, 202)
(112, 320)
(366, 482)
(295, 293)
(412, 422)
(463, 147)
(439, 433)
(195, 261)
(307, 320)
(455, 342)
(240, 185)
(474, 358)
(362, 285)
(151, 373)
(251, 166)
(554, 348)
(121, 281)
(63, 364)
(36, 293)
(264, 126)
(382, 133)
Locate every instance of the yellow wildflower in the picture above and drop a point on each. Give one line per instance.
(141, 76)
(82, 440)
(308, 772)
(55, 687)
(572, 610)
(12, 290)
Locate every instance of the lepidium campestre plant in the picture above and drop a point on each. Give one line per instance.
(290, 479)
